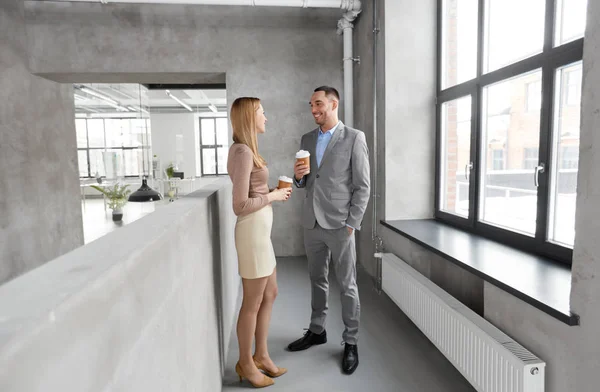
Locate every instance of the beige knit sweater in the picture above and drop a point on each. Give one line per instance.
(250, 186)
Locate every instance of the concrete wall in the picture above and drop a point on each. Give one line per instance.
(364, 119)
(149, 308)
(279, 54)
(40, 213)
(166, 128)
(410, 75)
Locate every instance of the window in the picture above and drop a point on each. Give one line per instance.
(569, 157)
(459, 45)
(565, 160)
(570, 20)
(508, 104)
(534, 96)
(127, 139)
(498, 160)
(213, 146)
(514, 30)
(530, 158)
(573, 87)
(456, 141)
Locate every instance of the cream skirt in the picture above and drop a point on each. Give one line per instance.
(256, 258)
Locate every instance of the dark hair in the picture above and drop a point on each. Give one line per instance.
(329, 91)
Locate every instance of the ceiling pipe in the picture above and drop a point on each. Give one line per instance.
(346, 5)
(346, 28)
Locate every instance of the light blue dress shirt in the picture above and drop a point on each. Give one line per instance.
(322, 142)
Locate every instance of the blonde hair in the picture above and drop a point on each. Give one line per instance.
(243, 122)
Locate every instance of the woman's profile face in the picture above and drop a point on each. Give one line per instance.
(261, 119)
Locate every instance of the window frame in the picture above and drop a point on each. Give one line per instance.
(527, 157)
(214, 147)
(143, 148)
(529, 96)
(549, 61)
(577, 88)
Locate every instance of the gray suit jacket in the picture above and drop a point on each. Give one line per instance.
(337, 193)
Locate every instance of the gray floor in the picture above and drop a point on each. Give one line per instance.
(394, 354)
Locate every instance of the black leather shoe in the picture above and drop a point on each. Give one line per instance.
(350, 361)
(309, 339)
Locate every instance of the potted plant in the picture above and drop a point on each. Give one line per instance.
(117, 198)
(170, 170)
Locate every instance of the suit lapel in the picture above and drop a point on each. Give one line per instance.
(336, 136)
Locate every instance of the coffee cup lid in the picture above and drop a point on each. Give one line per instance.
(302, 154)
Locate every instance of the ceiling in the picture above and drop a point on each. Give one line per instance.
(126, 99)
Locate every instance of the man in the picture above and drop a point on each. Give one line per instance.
(337, 193)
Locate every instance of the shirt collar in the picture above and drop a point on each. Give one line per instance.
(332, 130)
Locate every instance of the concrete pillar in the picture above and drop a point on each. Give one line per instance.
(40, 210)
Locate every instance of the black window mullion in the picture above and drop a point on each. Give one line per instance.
(481, 19)
(438, 108)
(565, 54)
(545, 151)
(458, 91)
(475, 175)
(438, 156)
(438, 48)
(549, 24)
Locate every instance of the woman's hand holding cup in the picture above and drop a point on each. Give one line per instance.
(280, 194)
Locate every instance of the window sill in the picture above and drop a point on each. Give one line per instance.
(541, 282)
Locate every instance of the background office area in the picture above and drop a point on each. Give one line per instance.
(125, 132)
(478, 261)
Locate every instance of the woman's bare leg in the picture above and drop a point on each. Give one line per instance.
(263, 321)
(246, 326)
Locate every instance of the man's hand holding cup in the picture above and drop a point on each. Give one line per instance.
(302, 166)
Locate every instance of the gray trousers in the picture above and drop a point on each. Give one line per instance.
(320, 243)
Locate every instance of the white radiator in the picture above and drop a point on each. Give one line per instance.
(488, 358)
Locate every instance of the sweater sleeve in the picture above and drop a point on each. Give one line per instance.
(240, 170)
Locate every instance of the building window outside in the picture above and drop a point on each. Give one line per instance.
(524, 83)
(530, 158)
(498, 160)
(569, 157)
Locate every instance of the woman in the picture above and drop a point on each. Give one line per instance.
(256, 259)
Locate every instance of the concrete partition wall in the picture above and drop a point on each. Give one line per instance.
(147, 308)
(40, 211)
